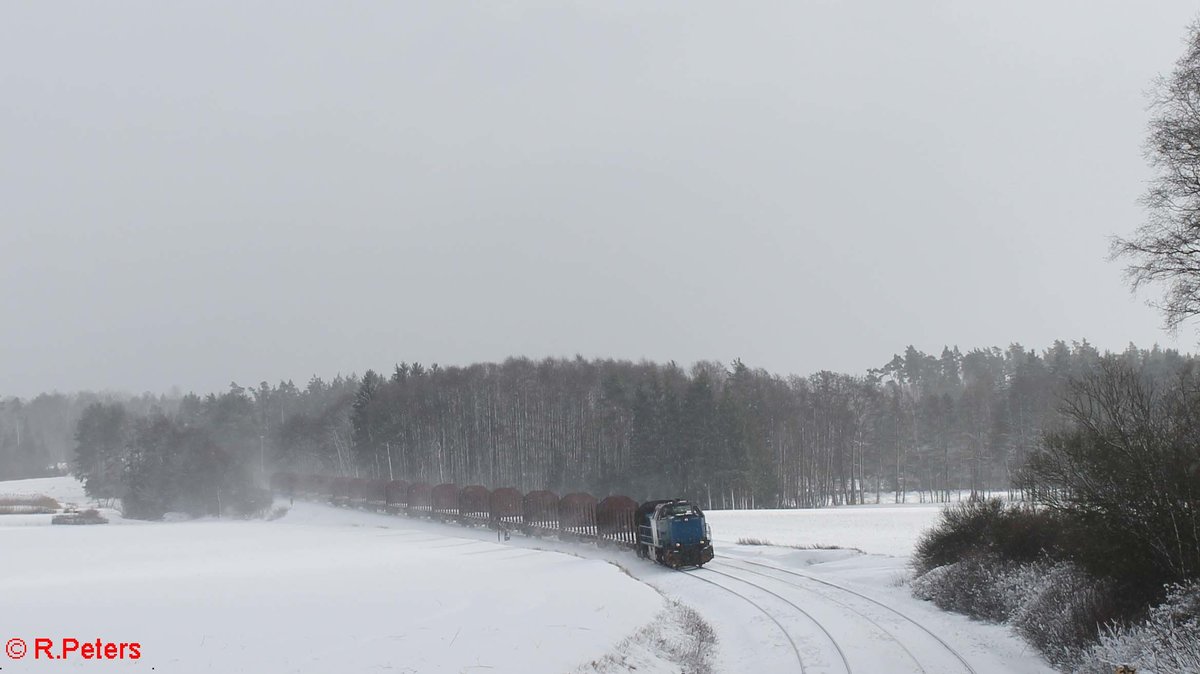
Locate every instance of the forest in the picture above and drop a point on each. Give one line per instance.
(918, 427)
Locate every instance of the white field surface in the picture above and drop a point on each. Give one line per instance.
(877, 529)
(333, 590)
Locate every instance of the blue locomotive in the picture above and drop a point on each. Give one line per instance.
(673, 533)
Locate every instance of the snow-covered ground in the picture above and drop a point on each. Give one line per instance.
(331, 590)
(321, 590)
(879, 529)
(64, 489)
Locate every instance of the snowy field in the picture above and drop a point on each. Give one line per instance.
(322, 590)
(331, 590)
(878, 529)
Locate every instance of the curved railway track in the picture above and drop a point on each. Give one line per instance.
(845, 662)
(836, 646)
(907, 619)
(748, 600)
(887, 634)
(614, 535)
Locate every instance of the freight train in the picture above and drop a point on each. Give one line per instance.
(672, 532)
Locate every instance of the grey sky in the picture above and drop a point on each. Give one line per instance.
(193, 193)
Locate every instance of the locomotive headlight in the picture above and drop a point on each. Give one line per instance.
(678, 544)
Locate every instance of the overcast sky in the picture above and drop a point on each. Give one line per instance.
(194, 193)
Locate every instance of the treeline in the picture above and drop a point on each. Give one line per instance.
(37, 436)
(921, 426)
(203, 456)
(727, 437)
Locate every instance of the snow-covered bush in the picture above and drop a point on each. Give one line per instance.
(972, 586)
(1053, 605)
(1062, 611)
(974, 560)
(1167, 641)
(985, 586)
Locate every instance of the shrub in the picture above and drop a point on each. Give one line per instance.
(1054, 605)
(981, 586)
(963, 587)
(1119, 521)
(810, 546)
(992, 529)
(753, 541)
(1024, 534)
(1123, 470)
(1063, 612)
(1009, 563)
(1167, 641)
(961, 532)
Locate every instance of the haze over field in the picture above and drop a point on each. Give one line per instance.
(263, 191)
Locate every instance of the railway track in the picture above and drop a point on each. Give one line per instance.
(817, 623)
(885, 632)
(742, 566)
(787, 635)
(831, 594)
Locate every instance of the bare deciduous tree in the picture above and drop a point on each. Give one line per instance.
(1166, 248)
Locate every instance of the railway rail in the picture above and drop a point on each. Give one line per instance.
(906, 619)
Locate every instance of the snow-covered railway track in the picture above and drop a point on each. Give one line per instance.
(787, 635)
(845, 662)
(886, 633)
(907, 620)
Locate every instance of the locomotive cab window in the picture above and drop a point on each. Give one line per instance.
(682, 509)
